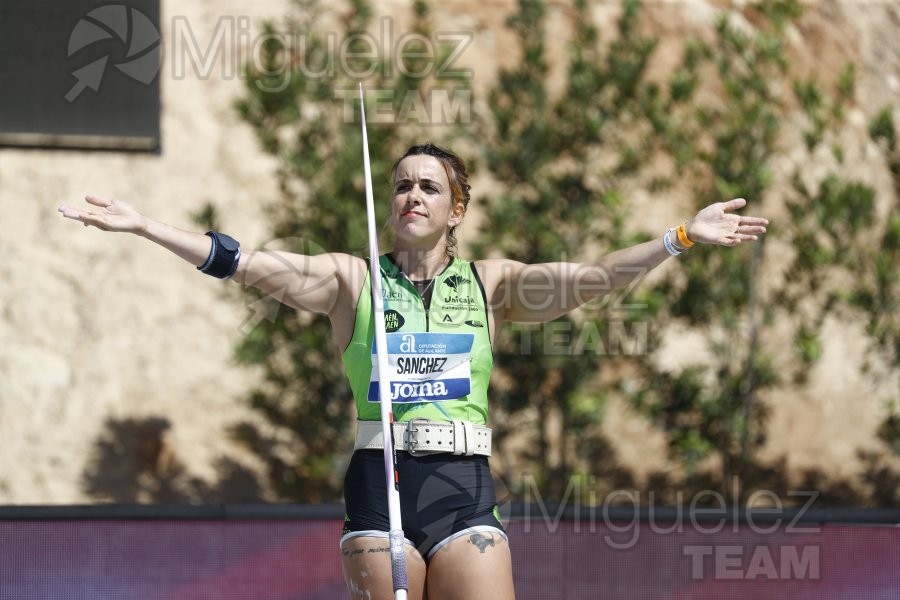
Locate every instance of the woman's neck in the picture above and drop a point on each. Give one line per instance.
(420, 264)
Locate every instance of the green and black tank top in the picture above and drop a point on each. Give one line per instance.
(439, 351)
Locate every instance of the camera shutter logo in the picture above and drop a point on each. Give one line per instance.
(132, 28)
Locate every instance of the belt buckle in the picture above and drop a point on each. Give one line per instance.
(411, 439)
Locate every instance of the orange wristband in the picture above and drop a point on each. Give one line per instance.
(683, 238)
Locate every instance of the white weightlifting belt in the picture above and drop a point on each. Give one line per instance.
(421, 436)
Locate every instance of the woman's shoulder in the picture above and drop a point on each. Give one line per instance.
(349, 259)
(353, 268)
(496, 267)
(495, 273)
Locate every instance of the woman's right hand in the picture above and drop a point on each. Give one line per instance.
(108, 215)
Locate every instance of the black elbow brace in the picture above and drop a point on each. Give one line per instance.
(224, 256)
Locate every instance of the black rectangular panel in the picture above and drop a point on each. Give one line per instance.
(80, 73)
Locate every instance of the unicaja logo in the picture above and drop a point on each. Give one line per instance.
(454, 281)
(139, 58)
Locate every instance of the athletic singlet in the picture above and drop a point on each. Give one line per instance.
(440, 359)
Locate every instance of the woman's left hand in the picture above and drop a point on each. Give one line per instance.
(715, 224)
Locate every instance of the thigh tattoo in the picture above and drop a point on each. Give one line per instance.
(348, 553)
(482, 540)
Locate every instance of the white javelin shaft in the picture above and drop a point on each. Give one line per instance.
(398, 558)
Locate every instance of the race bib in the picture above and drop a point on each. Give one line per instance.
(426, 367)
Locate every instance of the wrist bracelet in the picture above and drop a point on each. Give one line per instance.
(670, 246)
(683, 238)
(224, 256)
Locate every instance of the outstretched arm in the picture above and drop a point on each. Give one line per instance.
(716, 225)
(306, 282)
(543, 292)
(119, 216)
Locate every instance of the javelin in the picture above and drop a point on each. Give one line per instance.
(398, 558)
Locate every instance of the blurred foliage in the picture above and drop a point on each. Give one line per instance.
(554, 203)
(310, 124)
(563, 157)
(881, 127)
(562, 202)
(719, 118)
(877, 293)
(831, 225)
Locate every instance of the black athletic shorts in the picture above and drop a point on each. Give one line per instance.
(440, 495)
